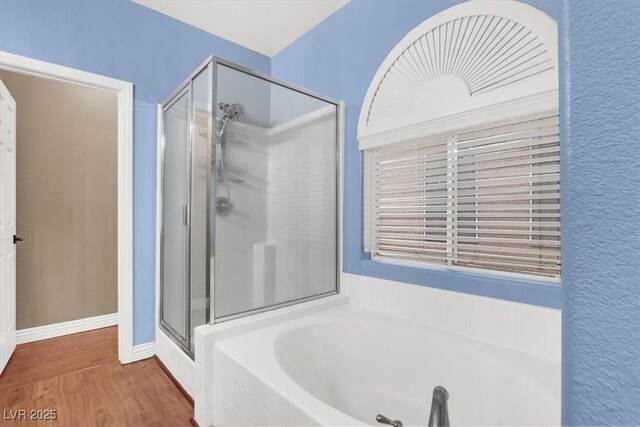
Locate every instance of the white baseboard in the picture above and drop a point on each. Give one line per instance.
(144, 351)
(65, 328)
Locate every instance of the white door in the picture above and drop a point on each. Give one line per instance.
(7, 225)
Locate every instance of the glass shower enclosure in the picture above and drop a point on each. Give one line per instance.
(249, 193)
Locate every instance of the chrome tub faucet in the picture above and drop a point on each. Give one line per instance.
(439, 416)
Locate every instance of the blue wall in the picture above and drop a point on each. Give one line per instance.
(120, 39)
(600, 59)
(601, 214)
(599, 74)
(339, 58)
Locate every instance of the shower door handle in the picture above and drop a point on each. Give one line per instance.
(185, 215)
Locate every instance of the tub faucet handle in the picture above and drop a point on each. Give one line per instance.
(384, 420)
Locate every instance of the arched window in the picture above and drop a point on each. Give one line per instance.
(460, 135)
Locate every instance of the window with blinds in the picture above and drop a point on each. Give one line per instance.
(487, 197)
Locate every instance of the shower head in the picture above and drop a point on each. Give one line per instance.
(233, 111)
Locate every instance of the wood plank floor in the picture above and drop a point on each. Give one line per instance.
(79, 377)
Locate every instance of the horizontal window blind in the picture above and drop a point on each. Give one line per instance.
(487, 197)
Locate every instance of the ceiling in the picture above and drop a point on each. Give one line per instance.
(266, 26)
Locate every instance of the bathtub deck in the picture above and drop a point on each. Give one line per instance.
(80, 377)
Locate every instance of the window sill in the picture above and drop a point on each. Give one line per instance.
(541, 292)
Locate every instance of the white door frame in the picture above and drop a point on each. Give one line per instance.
(124, 91)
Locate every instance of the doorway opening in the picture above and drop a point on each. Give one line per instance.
(66, 207)
(73, 175)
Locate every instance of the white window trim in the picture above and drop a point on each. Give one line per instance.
(522, 106)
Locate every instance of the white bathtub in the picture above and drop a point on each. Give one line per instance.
(342, 365)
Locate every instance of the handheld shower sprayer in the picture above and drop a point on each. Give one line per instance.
(230, 112)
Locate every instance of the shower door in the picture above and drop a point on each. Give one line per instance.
(186, 167)
(175, 236)
(275, 205)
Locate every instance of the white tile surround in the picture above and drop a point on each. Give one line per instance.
(207, 391)
(528, 328)
(243, 398)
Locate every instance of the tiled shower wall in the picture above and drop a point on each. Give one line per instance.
(246, 167)
(301, 207)
(278, 242)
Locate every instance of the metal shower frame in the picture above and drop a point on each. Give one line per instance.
(186, 87)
